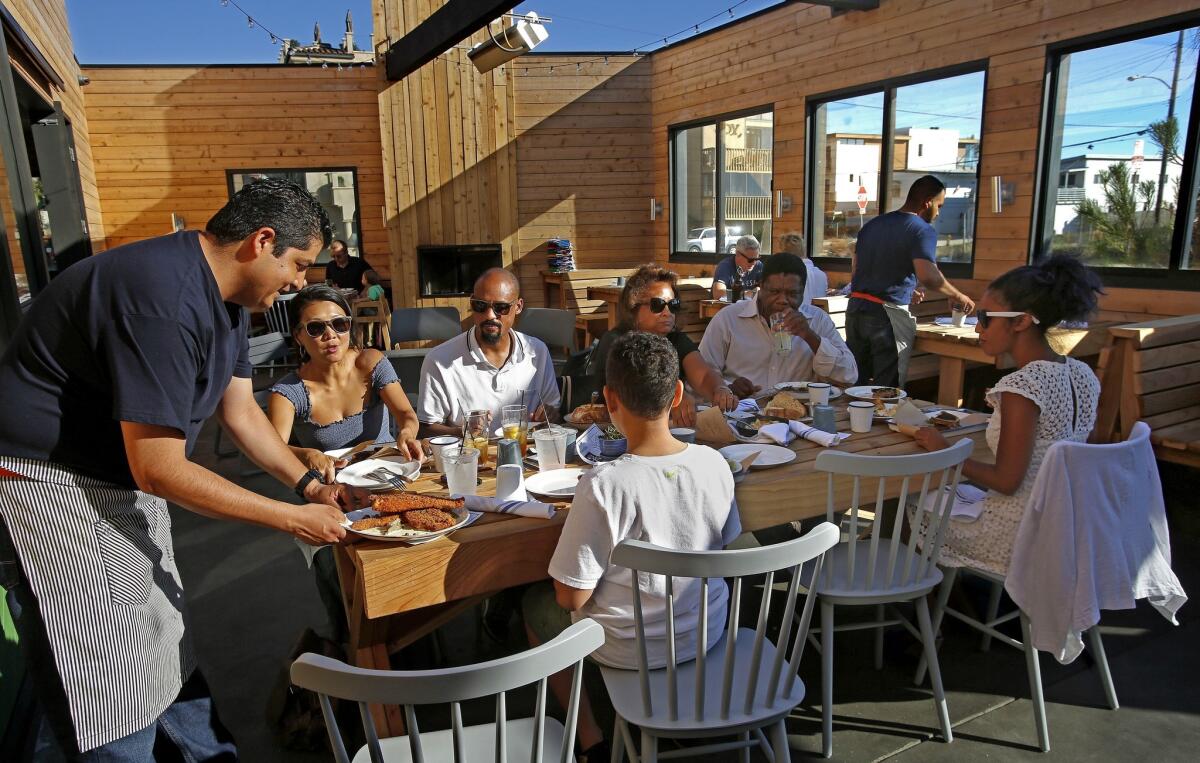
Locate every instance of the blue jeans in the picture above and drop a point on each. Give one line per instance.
(188, 730)
(870, 337)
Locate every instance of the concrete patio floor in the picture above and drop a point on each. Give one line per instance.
(251, 597)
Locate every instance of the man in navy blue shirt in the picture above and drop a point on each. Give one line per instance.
(744, 261)
(894, 252)
(106, 385)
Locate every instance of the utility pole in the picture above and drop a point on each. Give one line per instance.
(1162, 160)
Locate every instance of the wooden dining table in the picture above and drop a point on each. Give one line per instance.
(956, 346)
(395, 593)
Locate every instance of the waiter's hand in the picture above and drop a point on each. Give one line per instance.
(341, 497)
(743, 387)
(317, 524)
(965, 303)
(918, 296)
(326, 465)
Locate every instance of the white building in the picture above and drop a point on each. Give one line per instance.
(1079, 179)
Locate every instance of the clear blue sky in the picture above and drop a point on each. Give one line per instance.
(1102, 103)
(202, 31)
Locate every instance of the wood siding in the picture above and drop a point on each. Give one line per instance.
(164, 136)
(45, 21)
(798, 50)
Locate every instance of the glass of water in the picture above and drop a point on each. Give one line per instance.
(781, 338)
(551, 448)
(462, 470)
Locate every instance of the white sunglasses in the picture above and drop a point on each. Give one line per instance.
(985, 316)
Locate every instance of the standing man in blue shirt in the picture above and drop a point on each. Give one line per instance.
(895, 251)
(744, 261)
(106, 385)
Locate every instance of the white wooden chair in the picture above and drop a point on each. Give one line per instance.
(878, 571)
(540, 739)
(753, 687)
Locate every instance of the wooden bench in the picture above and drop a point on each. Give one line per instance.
(1151, 373)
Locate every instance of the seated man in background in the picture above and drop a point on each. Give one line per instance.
(817, 284)
(664, 492)
(344, 271)
(743, 262)
(489, 366)
(740, 344)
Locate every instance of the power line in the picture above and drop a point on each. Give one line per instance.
(1103, 140)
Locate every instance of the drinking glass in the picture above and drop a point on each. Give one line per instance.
(515, 420)
(462, 470)
(781, 338)
(551, 449)
(475, 432)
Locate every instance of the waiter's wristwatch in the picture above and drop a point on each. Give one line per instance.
(309, 476)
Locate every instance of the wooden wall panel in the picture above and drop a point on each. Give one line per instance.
(163, 138)
(45, 21)
(798, 51)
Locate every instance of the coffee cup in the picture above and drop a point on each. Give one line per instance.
(818, 393)
(684, 434)
(861, 413)
(438, 447)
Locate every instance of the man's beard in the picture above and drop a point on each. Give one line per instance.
(490, 338)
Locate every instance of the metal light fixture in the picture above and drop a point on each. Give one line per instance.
(525, 34)
(656, 208)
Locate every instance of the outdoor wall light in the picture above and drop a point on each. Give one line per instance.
(655, 208)
(525, 34)
(783, 203)
(1002, 193)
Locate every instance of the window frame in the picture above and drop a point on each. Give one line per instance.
(704, 258)
(888, 87)
(1172, 277)
(362, 249)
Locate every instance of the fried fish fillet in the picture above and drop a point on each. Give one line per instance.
(428, 520)
(370, 523)
(397, 503)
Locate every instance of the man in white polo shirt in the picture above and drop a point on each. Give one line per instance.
(489, 366)
(739, 344)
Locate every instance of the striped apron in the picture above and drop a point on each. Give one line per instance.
(99, 560)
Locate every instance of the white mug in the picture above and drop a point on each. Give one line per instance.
(818, 393)
(438, 446)
(860, 415)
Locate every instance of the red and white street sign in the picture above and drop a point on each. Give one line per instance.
(1139, 155)
(862, 199)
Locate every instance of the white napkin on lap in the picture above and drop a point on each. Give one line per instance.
(783, 433)
(535, 509)
(968, 502)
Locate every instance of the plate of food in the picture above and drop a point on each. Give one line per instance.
(875, 392)
(355, 475)
(556, 483)
(768, 455)
(409, 517)
(587, 414)
(800, 388)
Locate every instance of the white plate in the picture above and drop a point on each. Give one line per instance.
(768, 455)
(867, 392)
(556, 483)
(801, 388)
(354, 475)
(464, 516)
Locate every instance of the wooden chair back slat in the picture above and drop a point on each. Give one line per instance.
(672, 679)
(643, 661)
(501, 729)
(894, 541)
(456, 730)
(414, 736)
(701, 648)
(539, 715)
(760, 633)
(735, 614)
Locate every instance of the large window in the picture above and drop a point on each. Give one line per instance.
(1119, 172)
(721, 185)
(869, 146)
(336, 189)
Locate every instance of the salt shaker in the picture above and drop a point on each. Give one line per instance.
(823, 418)
(508, 452)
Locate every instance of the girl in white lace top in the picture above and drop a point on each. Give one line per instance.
(1048, 398)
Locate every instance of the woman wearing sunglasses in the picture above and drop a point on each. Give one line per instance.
(341, 395)
(649, 303)
(1047, 399)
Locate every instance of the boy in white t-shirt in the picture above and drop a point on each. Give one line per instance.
(662, 491)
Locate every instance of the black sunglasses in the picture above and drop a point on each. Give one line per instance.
(499, 308)
(340, 324)
(658, 304)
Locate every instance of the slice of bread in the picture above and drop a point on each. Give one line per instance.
(785, 406)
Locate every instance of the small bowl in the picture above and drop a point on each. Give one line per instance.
(612, 448)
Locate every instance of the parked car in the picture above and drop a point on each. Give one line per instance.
(705, 239)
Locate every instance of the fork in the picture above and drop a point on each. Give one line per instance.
(383, 475)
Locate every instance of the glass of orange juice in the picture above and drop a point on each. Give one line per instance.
(475, 432)
(515, 420)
